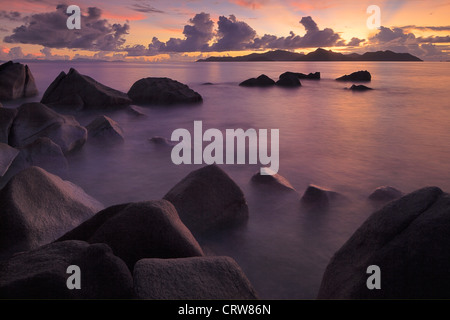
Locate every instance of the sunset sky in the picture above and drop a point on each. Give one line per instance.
(156, 30)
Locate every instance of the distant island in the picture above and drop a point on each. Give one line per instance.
(318, 55)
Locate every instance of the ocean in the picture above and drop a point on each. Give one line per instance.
(349, 142)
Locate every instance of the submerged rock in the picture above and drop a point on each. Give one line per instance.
(37, 207)
(163, 91)
(35, 120)
(161, 141)
(42, 273)
(261, 81)
(288, 79)
(272, 181)
(385, 193)
(360, 88)
(16, 81)
(191, 278)
(207, 199)
(104, 130)
(408, 239)
(356, 76)
(134, 231)
(6, 120)
(76, 91)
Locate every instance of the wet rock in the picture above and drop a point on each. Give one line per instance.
(76, 91)
(162, 91)
(207, 199)
(35, 120)
(385, 193)
(261, 81)
(356, 76)
(42, 273)
(16, 81)
(105, 130)
(408, 239)
(134, 231)
(191, 278)
(310, 76)
(38, 207)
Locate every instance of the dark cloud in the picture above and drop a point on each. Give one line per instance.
(432, 28)
(197, 34)
(10, 15)
(235, 35)
(400, 40)
(355, 42)
(49, 30)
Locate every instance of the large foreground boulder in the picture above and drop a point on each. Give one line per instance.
(38, 207)
(140, 230)
(16, 81)
(408, 240)
(42, 273)
(191, 278)
(105, 130)
(261, 81)
(356, 76)
(6, 120)
(35, 120)
(76, 91)
(207, 199)
(162, 91)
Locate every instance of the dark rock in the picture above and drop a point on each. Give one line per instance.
(385, 193)
(356, 76)
(318, 196)
(261, 81)
(42, 273)
(162, 91)
(76, 91)
(35, 120)
(272, 181)
(140, 230)
(207, 199)
(360, 88)
(37, 207)
(207, 83)
(16, 81)
(6, 120)
(408, 239)
(7, 156)
(197, 278)
(310, 76)
(104, 130)
(288, 79)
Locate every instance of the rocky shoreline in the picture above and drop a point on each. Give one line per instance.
(150, 249)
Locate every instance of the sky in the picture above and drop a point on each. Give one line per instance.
(185, 30)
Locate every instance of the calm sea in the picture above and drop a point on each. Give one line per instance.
(351, 142)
